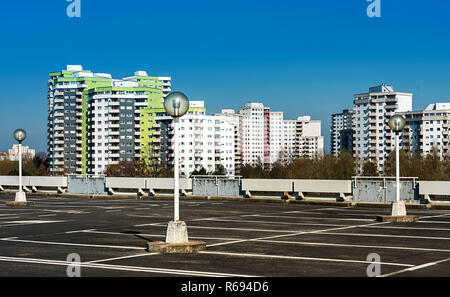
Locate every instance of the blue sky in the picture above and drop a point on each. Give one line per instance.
(300, 57)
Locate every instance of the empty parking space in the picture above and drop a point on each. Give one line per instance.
(243, 239)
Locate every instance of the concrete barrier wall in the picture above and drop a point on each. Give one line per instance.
(322, 186)
(434, 188)
(125, 183)
(267, 185)
(441, 188)
(167, 183)
(147, 183)
(37, 181)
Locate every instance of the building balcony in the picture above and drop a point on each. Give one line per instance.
(389, 106)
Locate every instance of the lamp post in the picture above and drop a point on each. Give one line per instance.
(176, 105)
(20, 136)
(397, 123)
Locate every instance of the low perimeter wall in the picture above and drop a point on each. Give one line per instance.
(432, 191)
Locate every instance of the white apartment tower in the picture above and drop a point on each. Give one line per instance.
(276, 135)
(372, 139)
(204, 141)
(308, 139)
(236, 120)
(428, 129)
(255, 133)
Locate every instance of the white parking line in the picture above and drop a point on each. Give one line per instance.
(409, 228)
(434, 222)
(353, 245)
(123, 268)
(78, 231)
(436, 216)
(276, 223)
(220, 228)
(387, 235)
(156, 235)
(313, 218)
(298, 258)
(121, 258)
(416, 267)
(75, 244)
(294, 234)
(31, 222)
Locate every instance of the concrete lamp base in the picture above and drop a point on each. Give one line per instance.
(20, 203)
(21, 197)
(176, 248)
(398, 208)
(176, 232)
(397, 219)
(176, 241)
(398, 214)
(20, 200)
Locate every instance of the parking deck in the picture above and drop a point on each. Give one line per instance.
(243, 239)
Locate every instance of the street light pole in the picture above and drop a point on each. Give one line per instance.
(397, 123)
(20, 136)
(397, 165)
(176, 105)
(398, 207)
(20, 167)
(176, 173)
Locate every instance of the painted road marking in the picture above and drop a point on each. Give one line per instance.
(276, 223)
(121, 258)
(123, 268)
(156, 235)
(313, 218)
(353, 245)
(298, 258)
(388, 235)
(76, 244)
(416, 267)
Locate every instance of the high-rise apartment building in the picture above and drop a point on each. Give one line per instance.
(255, 134)
(372, 138)
(276, 135)
(27, 153)
(428, 129)
(236, 120)
(95, 120)
(204, 141)
(308, 139)
(341, 122)
(264, 135)
(300, 138)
